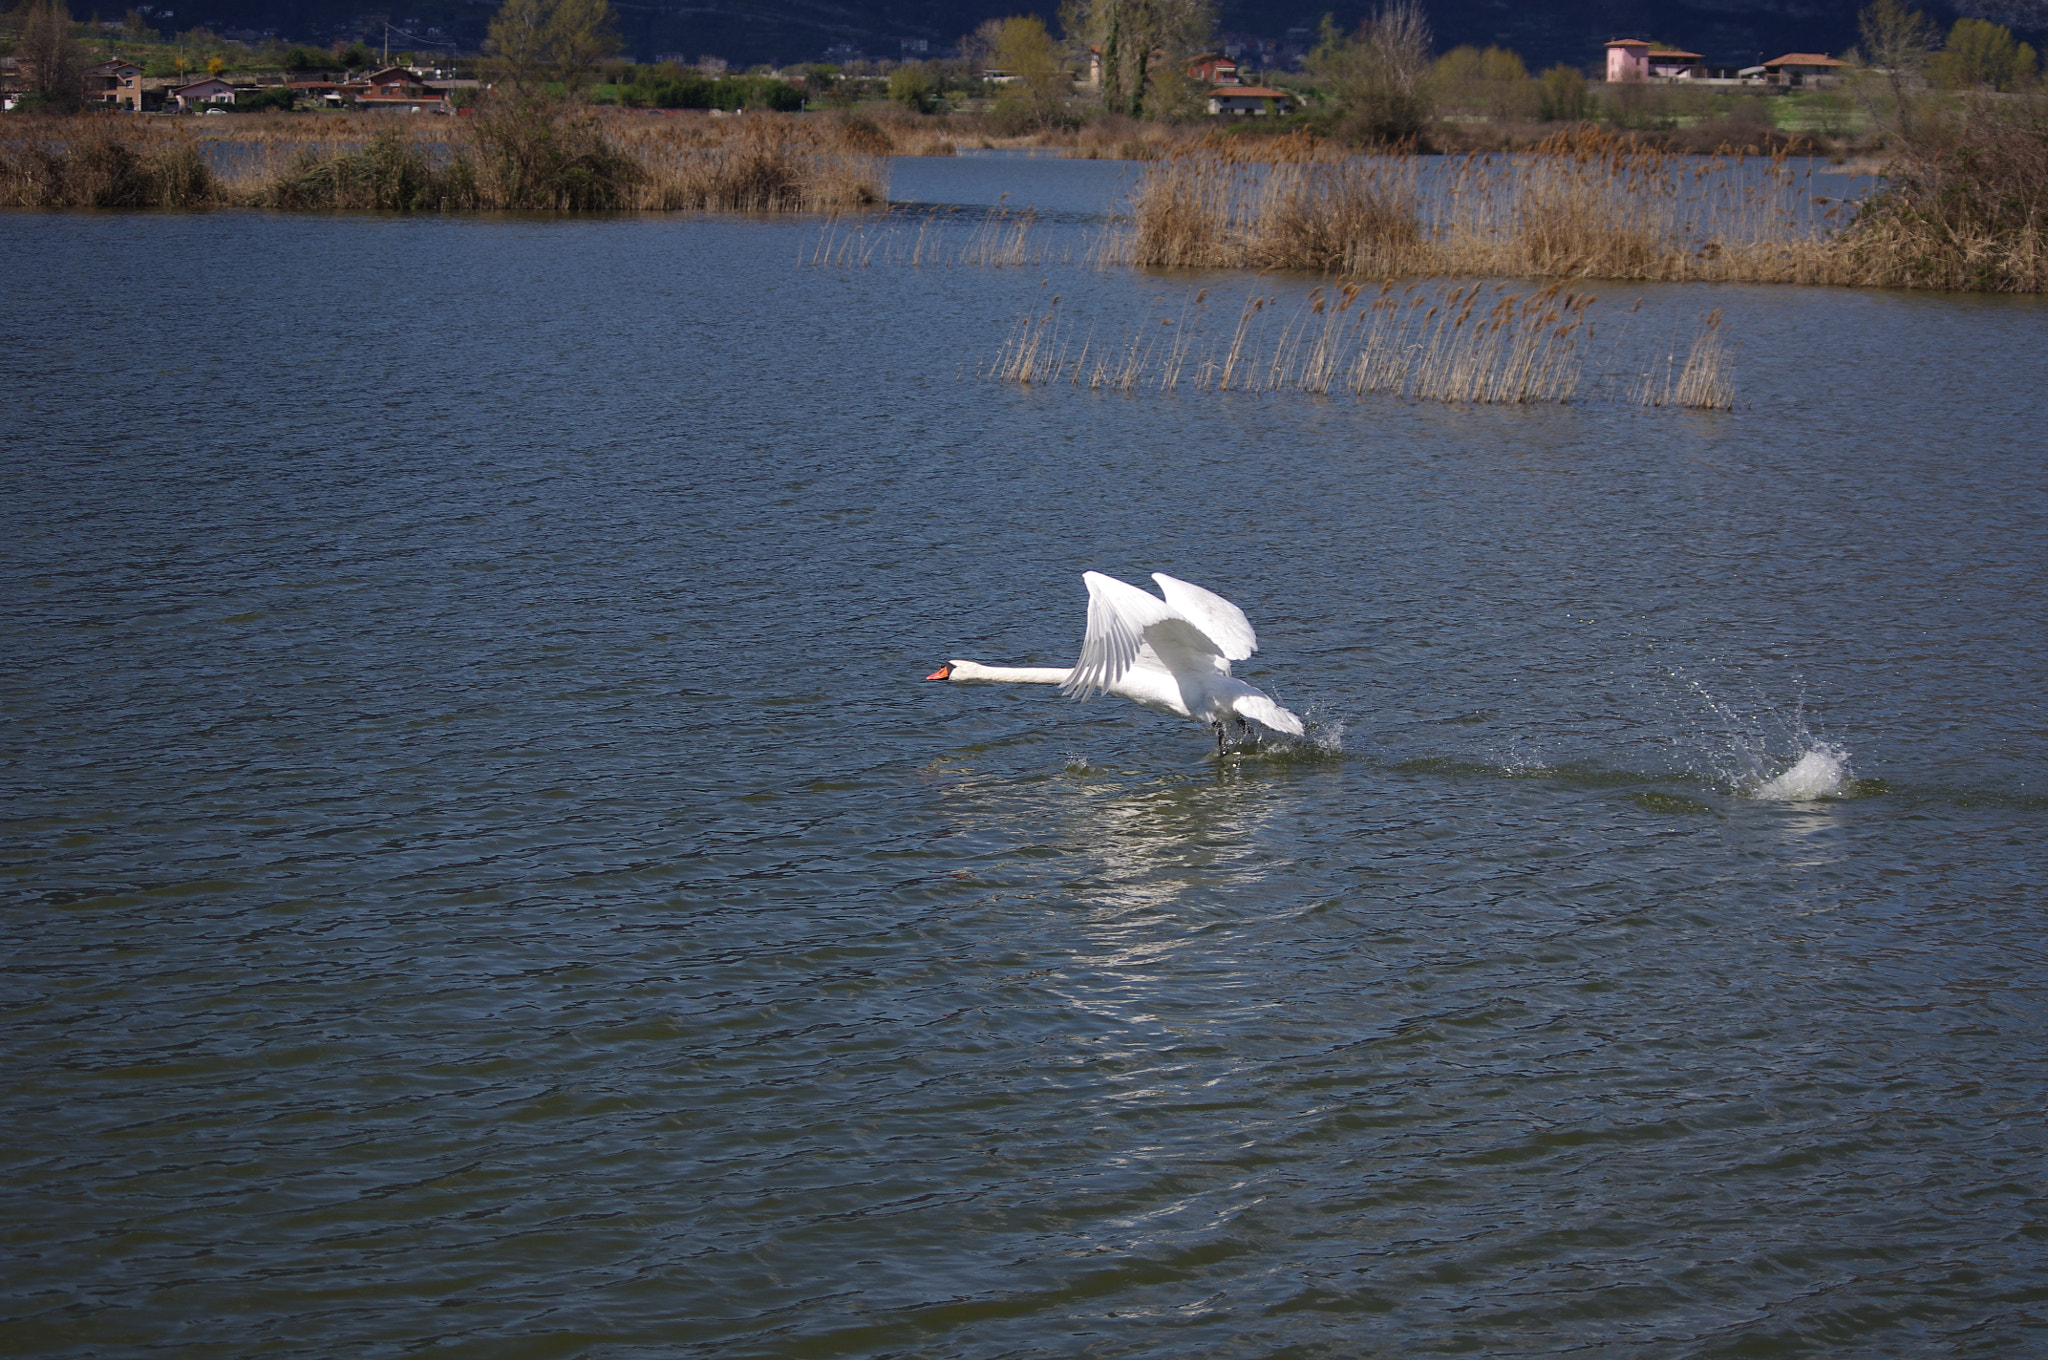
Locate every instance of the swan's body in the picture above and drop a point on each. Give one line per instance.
(1170, 654)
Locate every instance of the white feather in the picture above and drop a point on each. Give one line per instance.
(1223, 621)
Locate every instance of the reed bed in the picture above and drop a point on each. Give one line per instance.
(527, 155)
(1456, 344)
(1586, 206)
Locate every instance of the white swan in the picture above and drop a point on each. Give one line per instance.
(1172, 655)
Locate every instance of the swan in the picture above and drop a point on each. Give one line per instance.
(1170, 654)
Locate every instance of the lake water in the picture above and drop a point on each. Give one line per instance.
(484, 873)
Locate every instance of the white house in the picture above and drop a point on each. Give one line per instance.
(1253, 100)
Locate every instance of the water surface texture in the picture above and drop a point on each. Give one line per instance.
(485, 876)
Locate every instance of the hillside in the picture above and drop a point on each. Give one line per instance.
(784, 31)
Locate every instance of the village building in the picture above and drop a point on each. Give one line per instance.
(115, 82)
(323, 92)
(1214, 68)
(1633, 59)
(1808, 70)
(212, 90)
(1248, 100)
(396, 88)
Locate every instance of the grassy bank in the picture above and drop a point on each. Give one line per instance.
(527, 155)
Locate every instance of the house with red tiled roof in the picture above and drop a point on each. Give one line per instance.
(1634, 59)
(397, 88)
(1213, 68)
(1803, 69)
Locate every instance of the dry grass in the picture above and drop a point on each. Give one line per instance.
(1707, 381)
(1588, 206)
(517, 155)
(1965, 205)
(1004, 238)
(1431, 345)
(92, 165)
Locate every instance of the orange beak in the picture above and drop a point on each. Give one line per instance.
(944, 672)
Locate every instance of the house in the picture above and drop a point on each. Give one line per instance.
(1633, 59)
(397, 88)
(115, 82)
(1253, 100)
(326, 93)
(212, 90)
(1802, 69)
(1213, 68)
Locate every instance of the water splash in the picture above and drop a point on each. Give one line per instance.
(1818, 773)
(1768, 754)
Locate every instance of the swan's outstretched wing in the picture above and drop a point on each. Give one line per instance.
(1118, 615)
(1223, 621)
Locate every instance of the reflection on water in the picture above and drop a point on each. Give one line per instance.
(483, 870)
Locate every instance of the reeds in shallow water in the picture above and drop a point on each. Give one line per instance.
(96, 164)
(1705, 383)
(529, 154)
(1584, 206)
(1436, 346)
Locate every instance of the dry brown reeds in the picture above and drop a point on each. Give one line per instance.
(1436, 346)
(1706, 383)
(529, 155)
(762, 164)
(1588, 205)
(1964, 206)
(1003, 238)
(85, 163)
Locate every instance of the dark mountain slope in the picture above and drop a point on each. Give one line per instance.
(782, 31)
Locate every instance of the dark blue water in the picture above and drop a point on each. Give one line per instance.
(484, 875)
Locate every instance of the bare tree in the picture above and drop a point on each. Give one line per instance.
(1892, 64)
(1380, 74)
(55, 61)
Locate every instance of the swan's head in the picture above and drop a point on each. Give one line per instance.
(944, 672)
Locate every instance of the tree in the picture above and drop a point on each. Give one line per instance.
(912, 86)
(55, 62)
(1021, 48)
(1892, 64)
(1494, 81)
(535, 40)
(1981, 55)
(1564, 97)
(1141, 40)
(1380, 74)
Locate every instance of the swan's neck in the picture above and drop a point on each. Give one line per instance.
(1021, 675)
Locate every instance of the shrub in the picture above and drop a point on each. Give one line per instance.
(914, 88)
(387, 174)
(1965, 204)
(92, 168)
(1562, 96)
(536, 154)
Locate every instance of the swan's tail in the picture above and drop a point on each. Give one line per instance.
(1259, 708)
